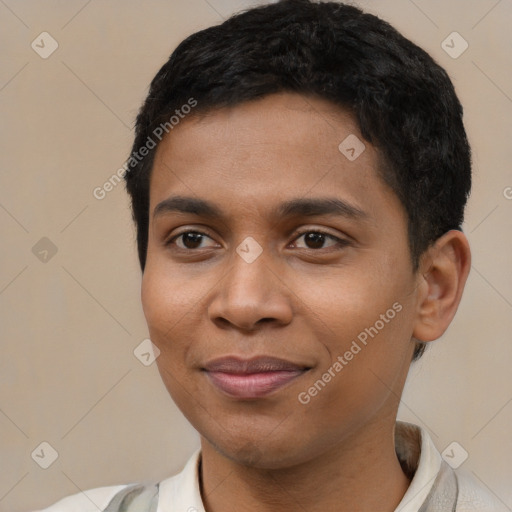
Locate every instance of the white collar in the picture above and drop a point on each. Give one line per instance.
(181, 492)
(408, 438)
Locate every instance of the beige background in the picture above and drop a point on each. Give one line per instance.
(69, 325)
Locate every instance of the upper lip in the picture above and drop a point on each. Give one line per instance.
(233, 364)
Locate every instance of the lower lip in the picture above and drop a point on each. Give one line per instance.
(253, 385)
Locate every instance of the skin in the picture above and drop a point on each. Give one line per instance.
(299, 300)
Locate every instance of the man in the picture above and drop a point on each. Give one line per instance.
(298, 181)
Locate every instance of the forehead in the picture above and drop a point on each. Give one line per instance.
(261, 152)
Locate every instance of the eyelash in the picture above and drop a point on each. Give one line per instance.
(339, 241)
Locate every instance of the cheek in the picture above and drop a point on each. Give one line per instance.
(366, 319)
(154, 300)
(344, 303)
(166, 298)
(165, 307)
(174, 307)
(168, 312)
(365, 361)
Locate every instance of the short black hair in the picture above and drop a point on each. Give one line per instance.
(403, 101)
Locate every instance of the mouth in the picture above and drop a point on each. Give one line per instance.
(252, 378)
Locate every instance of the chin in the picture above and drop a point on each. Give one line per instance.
(265, 452)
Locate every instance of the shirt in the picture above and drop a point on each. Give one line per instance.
(417, 454)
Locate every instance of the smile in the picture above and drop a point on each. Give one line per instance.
(254, 378)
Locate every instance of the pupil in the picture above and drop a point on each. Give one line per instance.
(316, 239)
(195, 238)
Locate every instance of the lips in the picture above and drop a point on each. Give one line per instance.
(251, 378)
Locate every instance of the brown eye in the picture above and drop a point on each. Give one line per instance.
(190, 240)
(316, 240)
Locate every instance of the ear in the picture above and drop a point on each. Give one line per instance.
(444, 268)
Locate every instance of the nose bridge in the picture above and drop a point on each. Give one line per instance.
(247, 277)
(250, 291)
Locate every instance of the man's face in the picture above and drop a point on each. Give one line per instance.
(325, 285)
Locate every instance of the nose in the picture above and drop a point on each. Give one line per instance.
(249, 295)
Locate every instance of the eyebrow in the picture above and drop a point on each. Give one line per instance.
(305, 207)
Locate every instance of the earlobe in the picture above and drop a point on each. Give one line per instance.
(443, 274)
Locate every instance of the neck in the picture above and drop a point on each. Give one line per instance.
(359, 474)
